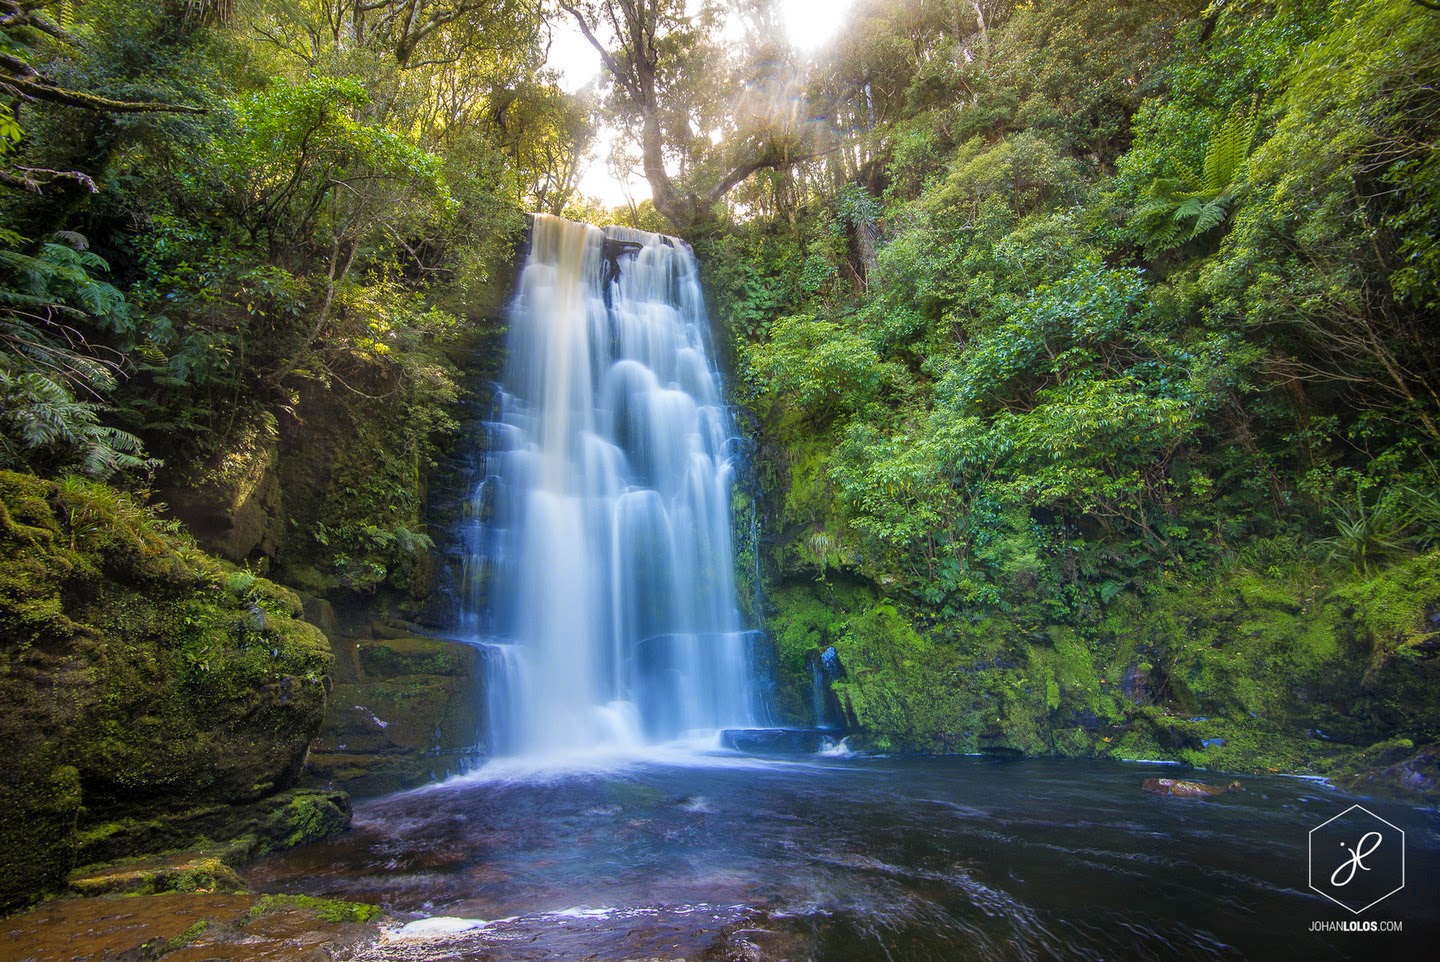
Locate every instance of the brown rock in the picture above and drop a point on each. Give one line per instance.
(1180, 788)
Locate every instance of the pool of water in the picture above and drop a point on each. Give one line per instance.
(851, 859)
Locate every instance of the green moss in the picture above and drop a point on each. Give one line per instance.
(158, 948)
(38, 837)
(413, 656)
(1390, 610)
(806, 618)
(1241, 672)
(313, 817)
(159, 679)
(232, 833)
(192, 873)
(331, 911)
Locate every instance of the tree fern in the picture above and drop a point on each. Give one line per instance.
(52, 382)
(1182, 208)
(42, 421)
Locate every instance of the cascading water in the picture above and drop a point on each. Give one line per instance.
(602, 542)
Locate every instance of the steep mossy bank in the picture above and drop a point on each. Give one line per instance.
(151, 698)
(1246, 671)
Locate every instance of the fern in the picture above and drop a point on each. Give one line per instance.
(1183, 208)
(1230, 148)
(51, 382)
(42, 420)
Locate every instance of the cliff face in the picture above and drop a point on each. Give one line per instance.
(150, 697)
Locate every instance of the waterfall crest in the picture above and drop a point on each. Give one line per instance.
(603, 522)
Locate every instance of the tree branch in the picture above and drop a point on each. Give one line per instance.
(38, 178)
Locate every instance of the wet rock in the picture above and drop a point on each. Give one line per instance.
(403, 712)
(999, 750)
(825, 708)
(393, 658)
(1138, 686)
(177, 873)
(254, 828)
(1414, 776)
(188, 928)
(1182, 788)
(775, 741)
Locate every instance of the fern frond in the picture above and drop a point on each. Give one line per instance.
(74, 239)
(1230, 147)
(1189, 180)
(1210, 216)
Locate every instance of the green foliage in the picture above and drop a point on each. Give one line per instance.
(51, 378)
(1088, 346)
(753, 277)
(818, 365)
(1328, 213)
(10, 131)
(301, 161)
(332, 911)
(1183, 208)
(1125, 476)
(1398, 521)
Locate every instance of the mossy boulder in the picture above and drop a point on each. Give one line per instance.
(242, 831)
(139, 677)
(404, 712)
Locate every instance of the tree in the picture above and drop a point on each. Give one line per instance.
(545, 133)
(677, 85)
(415, 34)
(27, 32)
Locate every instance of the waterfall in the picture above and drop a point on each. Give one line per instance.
(601, 544)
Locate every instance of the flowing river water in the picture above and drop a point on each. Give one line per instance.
(849, 859)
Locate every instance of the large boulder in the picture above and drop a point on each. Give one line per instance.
(139, 679)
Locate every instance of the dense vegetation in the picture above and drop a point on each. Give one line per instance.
(242, 247)
(1088, 350)
(273, 245)
(1095, 375)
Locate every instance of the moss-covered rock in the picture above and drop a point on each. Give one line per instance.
(404, 712)
(183, 873)
(139, 678)
(236, 509)
(247, 829)
(397, 657)
(39, 812)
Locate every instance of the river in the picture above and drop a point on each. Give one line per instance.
(844, 859)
